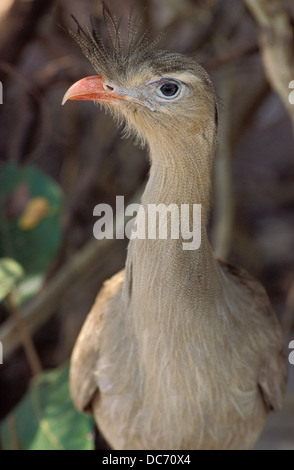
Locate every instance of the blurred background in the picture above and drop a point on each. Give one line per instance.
(57, 163)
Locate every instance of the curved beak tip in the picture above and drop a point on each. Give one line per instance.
(89, 89)
(64, 99)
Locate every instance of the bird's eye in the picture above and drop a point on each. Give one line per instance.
(169, 90)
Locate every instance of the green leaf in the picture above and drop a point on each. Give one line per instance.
(30, 217)
(28, 287)
(10, 273)
(46, 418)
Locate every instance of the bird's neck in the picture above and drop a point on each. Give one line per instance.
(161, 271)
(181, 173)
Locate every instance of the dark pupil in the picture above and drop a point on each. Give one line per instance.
(169, 89)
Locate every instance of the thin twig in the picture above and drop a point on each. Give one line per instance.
(24, 335)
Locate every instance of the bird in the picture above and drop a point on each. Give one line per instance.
(180, 350)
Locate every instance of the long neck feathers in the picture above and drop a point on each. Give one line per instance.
(161, 272)
(181, 170)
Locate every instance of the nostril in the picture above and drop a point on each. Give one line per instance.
(108, 87)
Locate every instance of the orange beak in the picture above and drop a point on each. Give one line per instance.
(91, 89)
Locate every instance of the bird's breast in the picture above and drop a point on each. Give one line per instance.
(173, 378)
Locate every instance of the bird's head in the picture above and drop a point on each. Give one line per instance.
(157, 93)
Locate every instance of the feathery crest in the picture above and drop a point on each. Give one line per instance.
(114, 57)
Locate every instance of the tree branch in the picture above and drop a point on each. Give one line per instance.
(276, 45)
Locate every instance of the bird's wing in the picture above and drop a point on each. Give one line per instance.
(273, 369)
(86, 351)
